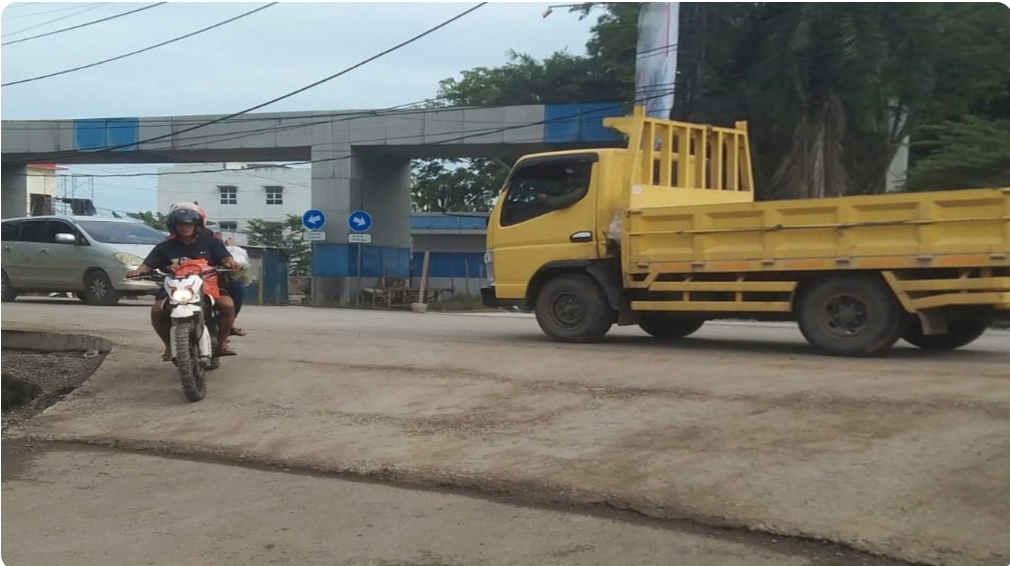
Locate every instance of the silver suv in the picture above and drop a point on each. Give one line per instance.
(85, 255)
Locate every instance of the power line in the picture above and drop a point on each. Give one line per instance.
(297, 91)
(43, 24)
(79, 26)
(173, 40)
(33, 14)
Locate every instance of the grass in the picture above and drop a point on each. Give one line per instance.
(457, 303)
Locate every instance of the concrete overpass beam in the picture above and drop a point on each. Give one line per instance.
(14, 190)
(344, 181)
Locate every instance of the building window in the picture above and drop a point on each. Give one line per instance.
(229, 194)
(275, 195)
(227, 226)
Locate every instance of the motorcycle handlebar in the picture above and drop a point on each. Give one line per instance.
(157, 273)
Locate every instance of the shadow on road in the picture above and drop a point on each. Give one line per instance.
(726, 346)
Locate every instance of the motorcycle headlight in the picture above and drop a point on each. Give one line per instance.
(128, 260)
(183, 296)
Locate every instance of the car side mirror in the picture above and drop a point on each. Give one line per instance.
(64, 238)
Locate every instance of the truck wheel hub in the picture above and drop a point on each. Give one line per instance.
(846, 315)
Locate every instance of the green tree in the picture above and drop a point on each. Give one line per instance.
(285, 235)
(155, 220)
(829, 91)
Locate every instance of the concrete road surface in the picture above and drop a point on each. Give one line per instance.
(906, 456)
(65, 505)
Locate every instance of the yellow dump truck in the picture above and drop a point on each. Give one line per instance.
(666, 234)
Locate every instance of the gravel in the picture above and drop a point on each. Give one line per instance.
(55, 374)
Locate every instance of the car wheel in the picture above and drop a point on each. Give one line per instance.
(98, 289)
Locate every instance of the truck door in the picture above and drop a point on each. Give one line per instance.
(548, 214)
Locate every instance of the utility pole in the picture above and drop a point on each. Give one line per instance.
(692, 34)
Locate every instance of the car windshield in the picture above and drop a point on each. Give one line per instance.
(122, 232)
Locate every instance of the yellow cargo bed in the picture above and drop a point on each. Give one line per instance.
(690, 225)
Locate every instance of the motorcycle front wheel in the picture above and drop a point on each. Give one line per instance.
(187, 360)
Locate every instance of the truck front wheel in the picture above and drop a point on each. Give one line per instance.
(855, 316)
(573, 308)
(959, 333)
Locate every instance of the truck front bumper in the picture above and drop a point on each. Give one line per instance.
(488, 297)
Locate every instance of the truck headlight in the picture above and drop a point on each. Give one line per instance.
(489, 265)
(128, 259)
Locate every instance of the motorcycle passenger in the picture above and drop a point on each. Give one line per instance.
(234, 285)
(189, 243)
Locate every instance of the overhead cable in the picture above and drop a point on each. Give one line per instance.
(130, 54)
(84, 25)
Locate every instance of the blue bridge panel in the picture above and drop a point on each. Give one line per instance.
(580, 122)
(93, 134)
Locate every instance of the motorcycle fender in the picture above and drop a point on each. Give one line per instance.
(185, 311)
(205, 347)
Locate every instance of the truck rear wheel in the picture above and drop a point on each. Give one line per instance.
(573, 308)
(669, 327)
(959, 333)
(855, 316)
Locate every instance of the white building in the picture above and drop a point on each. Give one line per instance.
(242, 192)
(41, 188)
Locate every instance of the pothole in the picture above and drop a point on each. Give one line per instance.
(40, 368)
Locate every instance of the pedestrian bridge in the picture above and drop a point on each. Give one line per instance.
(360, 160)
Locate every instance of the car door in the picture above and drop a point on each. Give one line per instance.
(537, 232)
(33, 255)
(64, 263)
(13, 254)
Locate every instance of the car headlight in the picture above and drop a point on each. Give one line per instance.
(183, 296)
(128, 259)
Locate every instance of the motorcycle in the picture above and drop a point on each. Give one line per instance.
(193, 338)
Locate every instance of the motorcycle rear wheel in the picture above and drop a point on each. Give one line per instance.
(187, 360)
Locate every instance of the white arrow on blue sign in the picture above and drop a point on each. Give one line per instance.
(359, 221)
(313, 219)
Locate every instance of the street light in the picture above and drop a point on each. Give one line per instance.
(550, 9)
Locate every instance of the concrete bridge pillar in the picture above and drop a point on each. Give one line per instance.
(345, 180)
(13, 190)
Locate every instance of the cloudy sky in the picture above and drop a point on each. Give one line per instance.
(251, 60)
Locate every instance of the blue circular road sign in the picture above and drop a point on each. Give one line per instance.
(359, 221)
(313, 219)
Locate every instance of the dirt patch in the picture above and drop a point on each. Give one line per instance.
(34, 381)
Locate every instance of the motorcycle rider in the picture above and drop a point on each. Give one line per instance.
(190, 243)
(234, 287)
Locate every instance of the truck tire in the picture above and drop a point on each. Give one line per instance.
(669, 327)
(573, 308)
(959, 333)
(850, 315)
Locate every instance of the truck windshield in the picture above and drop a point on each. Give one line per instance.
(121, 232)
(539, 188)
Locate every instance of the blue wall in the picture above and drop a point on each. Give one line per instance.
(447, 223)
(449, 264)
(341, 260)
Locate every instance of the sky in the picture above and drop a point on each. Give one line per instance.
(251, 60)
